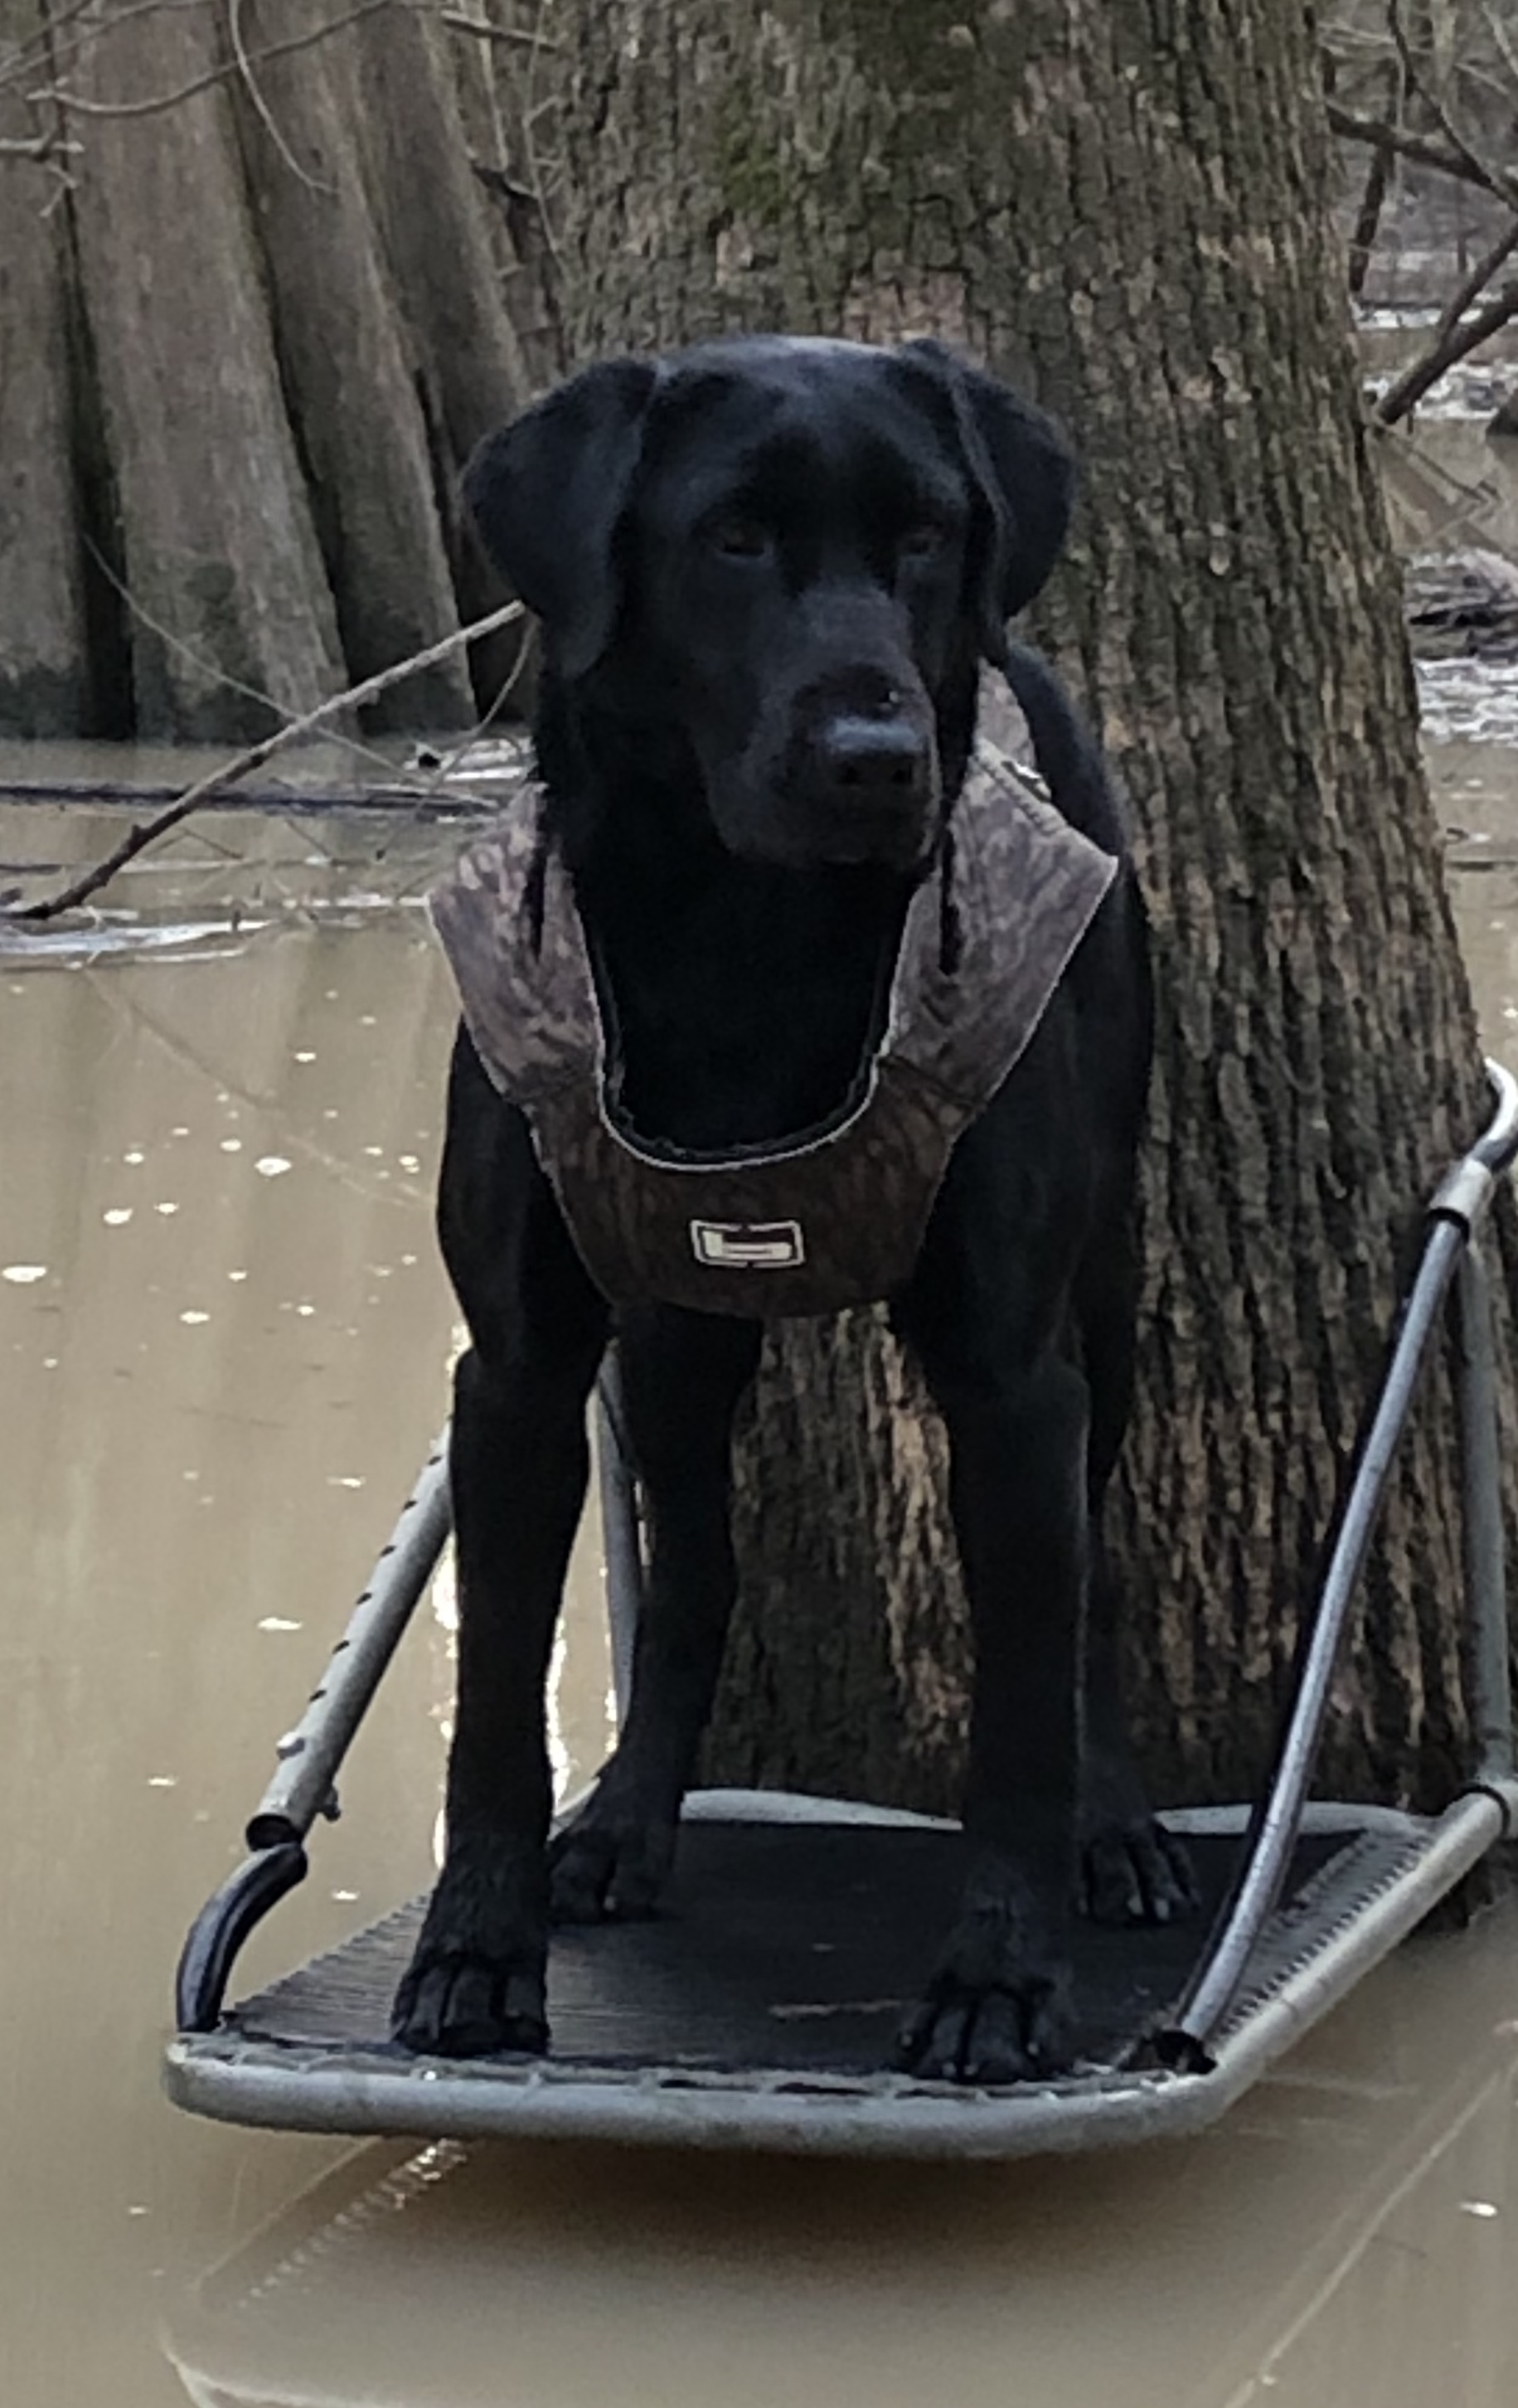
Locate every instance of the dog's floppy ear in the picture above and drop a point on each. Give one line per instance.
(547, 494)
(1025, 476)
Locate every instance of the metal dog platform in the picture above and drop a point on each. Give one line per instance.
(758, 2010)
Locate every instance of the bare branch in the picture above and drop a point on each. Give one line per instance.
(1408, 145)
(266, 114)
(43, 148)
(531, 109)
(1372, 202)
(497, 181)
(1507, 48)
(71, 32)
(1472, 286)
(1458, 343)
(1496, 179)
(80, 889)
(518, 33)
(26, 59)
(63, 98)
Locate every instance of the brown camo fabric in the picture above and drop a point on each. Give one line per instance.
(835, 1217)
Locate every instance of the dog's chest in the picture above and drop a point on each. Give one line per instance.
(831, 1216)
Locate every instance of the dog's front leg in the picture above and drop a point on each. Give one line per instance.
(995, 2008)
(518, 1465)
(683, 1374)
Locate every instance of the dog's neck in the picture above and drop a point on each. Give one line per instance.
(747, 995)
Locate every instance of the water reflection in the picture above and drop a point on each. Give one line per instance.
(224, 1343)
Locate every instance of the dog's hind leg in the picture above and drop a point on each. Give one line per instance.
(683, 1374)
(517, 1468)
(1132, 1869)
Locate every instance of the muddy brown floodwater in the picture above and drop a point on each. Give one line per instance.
(224, 1339)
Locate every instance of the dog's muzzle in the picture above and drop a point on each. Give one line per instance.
(870, 785)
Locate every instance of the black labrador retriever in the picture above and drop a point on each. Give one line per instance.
(768, 571)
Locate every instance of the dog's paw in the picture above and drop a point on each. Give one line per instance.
(608, 1867)
(1012, 2031)
(996, 2006)
(471, 2006)
(476, 1985)
(1135, 1872)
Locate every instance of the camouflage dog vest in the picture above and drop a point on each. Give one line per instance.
(835, 1214)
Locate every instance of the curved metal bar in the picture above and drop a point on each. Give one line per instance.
(1466, 1192)
(309, 1754)
(1497, 1145)
(1455, 1212)
(223, 1925)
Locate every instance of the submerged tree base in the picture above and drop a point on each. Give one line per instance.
(260, 329)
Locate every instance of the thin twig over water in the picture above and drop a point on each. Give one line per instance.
(89, 882)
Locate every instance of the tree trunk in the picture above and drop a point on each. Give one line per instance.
(44, 675)
(290, 336)
(469, 367)
(354, 400)
(1122, 206)
(215, 544)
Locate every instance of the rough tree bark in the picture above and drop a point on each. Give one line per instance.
(213, 536)
(353, 397)
(1124, 206)
(509, 84)
(286, 335)
(44, 674)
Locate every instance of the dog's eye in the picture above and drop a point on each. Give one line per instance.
(921, 542)
(738, 538)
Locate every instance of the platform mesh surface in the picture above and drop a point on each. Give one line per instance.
(800, 1949)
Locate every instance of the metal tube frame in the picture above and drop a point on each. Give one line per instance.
(1455, 1214)
(313, 1752)
(304, 1782)
(308, 1755)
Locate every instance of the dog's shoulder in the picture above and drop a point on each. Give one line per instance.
(1066, 753)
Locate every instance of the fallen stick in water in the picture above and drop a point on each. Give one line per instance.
(89, 882)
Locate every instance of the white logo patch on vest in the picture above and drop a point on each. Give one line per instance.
(749, 1246)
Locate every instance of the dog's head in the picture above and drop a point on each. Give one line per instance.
(796, 550)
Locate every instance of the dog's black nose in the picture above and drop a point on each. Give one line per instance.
(875, 760)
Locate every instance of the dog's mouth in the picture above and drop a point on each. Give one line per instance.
(904, 844)
(871, 799)
(904, 849)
